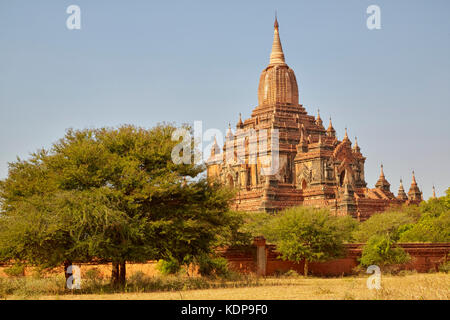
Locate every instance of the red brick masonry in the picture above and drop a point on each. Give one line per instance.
(424, 257)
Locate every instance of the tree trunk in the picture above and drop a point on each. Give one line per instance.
(122, 273)
(115, 274)
(305, 268)
(67, 264)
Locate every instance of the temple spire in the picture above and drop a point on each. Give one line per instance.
(215, 147)
(413, 178)
(229, 132)
(401, 192)
(330, 131)
(346, 135)
(414, 193)
(318, 119)
(240, 124)
(277, 55)
(356, 147)
(382, 183)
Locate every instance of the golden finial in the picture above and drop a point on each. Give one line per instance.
(277, 55)
(276, 21)
(240, 123)
(413, 178)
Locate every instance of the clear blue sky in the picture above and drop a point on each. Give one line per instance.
(143, 62)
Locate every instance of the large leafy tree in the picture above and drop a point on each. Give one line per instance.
(380, 250)
(309, 234)
(388, 223)
(110, 194)
(381, 232)
(434, 223)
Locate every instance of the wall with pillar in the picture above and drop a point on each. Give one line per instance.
(262, 259)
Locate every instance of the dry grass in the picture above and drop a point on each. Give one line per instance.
(412, 286)
(104, 269)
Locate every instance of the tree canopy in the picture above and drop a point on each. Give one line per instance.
(304, 233)
(381, 250)
(434, 223)
(110, 194)
(385, 223)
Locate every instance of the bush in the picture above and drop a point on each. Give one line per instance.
(403, 273)
(291, 274)
(208, 266)
(38, 273)
(16, 270)
(167, 267)
(138, 277)
(445, 267)
(430, 228)
(93, 274)
(386, 223)
(138, 281)
(380, 250)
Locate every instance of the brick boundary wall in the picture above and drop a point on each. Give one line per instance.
(262, 259)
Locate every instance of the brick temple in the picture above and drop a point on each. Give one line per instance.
(313, 167)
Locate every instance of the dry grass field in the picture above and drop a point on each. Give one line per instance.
(145, 282)
(104, 269)
(410, 286)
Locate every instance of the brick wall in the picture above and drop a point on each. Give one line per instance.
(424, 257)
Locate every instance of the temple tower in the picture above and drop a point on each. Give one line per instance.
(414, 193)
(281, 156)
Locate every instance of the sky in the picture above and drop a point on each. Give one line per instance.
(145, 62)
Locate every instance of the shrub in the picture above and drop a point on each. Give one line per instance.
(138, 277)
(445, 267)
(380, 250)
(38, 273)
(16, 270)
(167, 267)
(291, 274)
(386, 223)
(406, 272)
(208, 266)
(432, 227)
(93, 274)
(138, 281)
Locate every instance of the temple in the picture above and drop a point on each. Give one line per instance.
(282, 156)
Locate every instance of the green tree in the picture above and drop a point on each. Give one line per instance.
(304, 233)
(381, 250)
(114, 195)
(386, 223)
(255, 223)
(434, 223)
